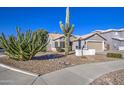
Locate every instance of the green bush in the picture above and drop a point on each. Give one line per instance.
(59, 49)
(114, 55)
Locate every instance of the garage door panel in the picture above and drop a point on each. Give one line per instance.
(98, 46)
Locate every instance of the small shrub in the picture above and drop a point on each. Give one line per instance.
(114, 55)
(59, 49)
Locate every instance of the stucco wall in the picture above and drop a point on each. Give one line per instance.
(122, 43)
(94, 38)
(74, 45)
(51, 45)
(109, 41)
(121, 33)
(114, 43)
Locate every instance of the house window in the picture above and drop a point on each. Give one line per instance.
(56, 44)
(62, 44)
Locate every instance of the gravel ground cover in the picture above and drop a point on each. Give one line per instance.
(112, 78)
(44, 63)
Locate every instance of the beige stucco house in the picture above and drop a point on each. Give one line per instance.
(90, 41)
(57, 40)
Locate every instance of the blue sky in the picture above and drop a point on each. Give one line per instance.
(86, 19)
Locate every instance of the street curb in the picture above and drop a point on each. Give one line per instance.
(2, 55)
(18, 70)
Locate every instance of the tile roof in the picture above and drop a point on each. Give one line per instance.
(52, 35)
(118, 38)
(88, 36)
(109, 30)
(57, 36)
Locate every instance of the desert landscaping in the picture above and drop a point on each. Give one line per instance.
(112, 78)
(38, 53)
(48, 62)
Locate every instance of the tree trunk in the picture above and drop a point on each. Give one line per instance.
(66, 45)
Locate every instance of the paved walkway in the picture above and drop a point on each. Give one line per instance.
(77, 75)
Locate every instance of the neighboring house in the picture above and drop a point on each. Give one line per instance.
(91, 41)
(115, 38)
(100, 40)
(57, 40)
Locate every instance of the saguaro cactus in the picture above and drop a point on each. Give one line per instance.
(67, 30)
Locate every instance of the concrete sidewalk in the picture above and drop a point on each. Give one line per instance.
(77, 75)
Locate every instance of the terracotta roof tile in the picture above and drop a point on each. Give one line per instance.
(54, 35)
(88, 36)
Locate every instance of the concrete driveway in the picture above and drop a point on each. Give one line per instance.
(77, 75)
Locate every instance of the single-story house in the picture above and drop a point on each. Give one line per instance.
(90, 41)
(57, 40)
(100, 40)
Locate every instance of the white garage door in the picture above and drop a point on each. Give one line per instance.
(97, 45)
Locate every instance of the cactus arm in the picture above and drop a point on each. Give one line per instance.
(13, 46)
(67, 23)
(62, 27)
(28, 36)
(71, 29)
(44, 45)
(39, 48)
(4, 41)
(11, 55)
(18, 34)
